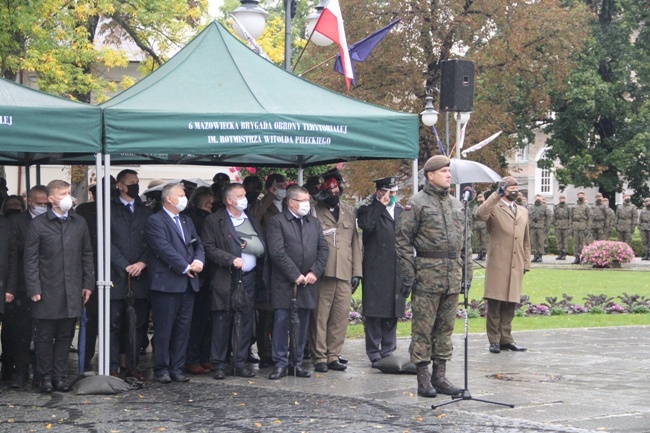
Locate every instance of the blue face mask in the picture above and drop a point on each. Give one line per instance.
(391, 200)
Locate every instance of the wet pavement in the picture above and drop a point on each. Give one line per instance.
(570, 380)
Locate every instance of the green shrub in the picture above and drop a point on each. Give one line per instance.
(558, 311)
(640, 309)
(597, 310)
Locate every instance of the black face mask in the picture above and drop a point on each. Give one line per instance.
(512, 196)
(133, 190)
(581, 200)
(627, 200)
(8, 212)
(538, 202)
(252, 196)
(599, 202)
(332, 201)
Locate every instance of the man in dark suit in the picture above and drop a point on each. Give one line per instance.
(128, 270)
(5, 241)
(382, 301)
(235, 245)
(59, 277)
(177, 257)
(17, 325)
(298, 252)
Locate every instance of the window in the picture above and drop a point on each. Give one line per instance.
(543, 177)
(522, 154)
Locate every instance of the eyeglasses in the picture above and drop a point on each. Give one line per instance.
(300, 201)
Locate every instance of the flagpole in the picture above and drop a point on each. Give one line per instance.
(318, 65)
(305, 47)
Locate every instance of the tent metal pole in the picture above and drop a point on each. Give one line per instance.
(459, 145)
(301, 173)
(38, 174)
(28, 178)
(99, 170)
(415, 176)
(107, 261)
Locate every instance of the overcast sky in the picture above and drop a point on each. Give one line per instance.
(214, 7)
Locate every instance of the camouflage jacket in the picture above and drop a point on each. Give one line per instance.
(562, 217)
(626, 216)
(433, 223)
(598, 216)
(644, 219)
(580, 217)
(477, 224)
(538, 217)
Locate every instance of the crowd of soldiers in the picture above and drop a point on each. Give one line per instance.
(267, 238)
(582, 222)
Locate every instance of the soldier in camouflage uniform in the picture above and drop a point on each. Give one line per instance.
(433, 224)
(610, 219)
(539, 221)
(581, 226)
(562, 224)
(626, 218)
(644, 228)
(480, 230)
(599, 220)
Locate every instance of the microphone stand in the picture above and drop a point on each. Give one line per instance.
(465, 394)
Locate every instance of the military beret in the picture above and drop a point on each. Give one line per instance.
(387, 183)
(436, 163)
(510, 181)
(335, 174)
(328, 184)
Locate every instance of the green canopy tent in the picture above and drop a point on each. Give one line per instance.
(216, 102)
(37, 128)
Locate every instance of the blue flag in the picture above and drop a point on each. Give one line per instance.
(359, 51)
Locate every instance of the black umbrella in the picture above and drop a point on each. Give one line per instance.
(295, 328)
(81, 341)
(239, 302)
(131, 325)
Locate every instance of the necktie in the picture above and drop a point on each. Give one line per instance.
(514, 209)
(177, 220)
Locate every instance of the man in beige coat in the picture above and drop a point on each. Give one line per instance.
(341, 277)
(508, 260)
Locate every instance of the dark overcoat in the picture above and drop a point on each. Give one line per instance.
(295, 249)
(58, 265)
(128, 246)
(5, 242)
(382, 280)
(222, 247)
(19, 226)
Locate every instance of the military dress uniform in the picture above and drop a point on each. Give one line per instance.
(562, 224)
(626, 218)
(432, 224)
(599, 220)
(539, 221)
(580, 223)
(644, 228)
(480, 235)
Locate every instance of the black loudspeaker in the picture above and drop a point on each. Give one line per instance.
(457, 85)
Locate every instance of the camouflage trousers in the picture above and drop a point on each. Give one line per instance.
(580, 239)
(481, 239)
(599, 234)
(537, 241)
(562, 239)
(625, 236)
(645, 238)
(434, 316)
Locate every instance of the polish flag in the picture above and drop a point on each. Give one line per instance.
(330, 25)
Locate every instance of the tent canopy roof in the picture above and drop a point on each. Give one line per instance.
(217, 102)
(39, 128)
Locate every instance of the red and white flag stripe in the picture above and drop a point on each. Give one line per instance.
(330, 25)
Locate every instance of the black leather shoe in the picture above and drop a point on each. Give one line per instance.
(179, 377)
(18, 381)
(320, 367)
(61, 385)
(513, 346)
(219, 374)
(277, 373)
(343, 360)
(46, 384)
(298, 372)
(244, 372)
(336, 366)
(494, 348)
(163, 378)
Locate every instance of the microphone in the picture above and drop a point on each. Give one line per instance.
(468, 194)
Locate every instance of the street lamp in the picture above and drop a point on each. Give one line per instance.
(429, 116)
(250, 14)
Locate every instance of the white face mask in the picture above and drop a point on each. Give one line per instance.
(65, 204)
(303, 209)
(242, 204)
(182, 203)
(280, 194)
(39, 210)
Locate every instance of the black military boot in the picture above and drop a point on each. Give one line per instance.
(647, 255)
(425, 388)
(563, 255)
(440, 381)
(483, 255)
(577, 260)
(559, 255)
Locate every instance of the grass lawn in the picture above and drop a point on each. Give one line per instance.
(542, 283)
